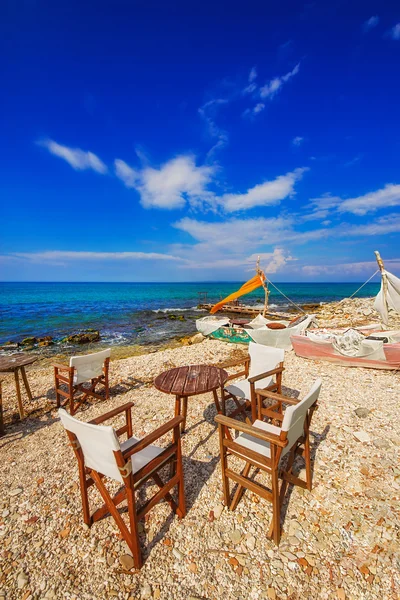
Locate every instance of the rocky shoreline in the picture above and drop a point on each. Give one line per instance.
(347, 313)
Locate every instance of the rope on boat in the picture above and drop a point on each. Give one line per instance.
(291, 301)
(361, 286)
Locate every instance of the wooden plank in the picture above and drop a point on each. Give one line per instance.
(178, 386)
(203, 380)
(192, 380)
(247, 483)
(167, 381)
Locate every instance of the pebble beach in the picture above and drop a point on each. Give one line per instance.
(341, 540)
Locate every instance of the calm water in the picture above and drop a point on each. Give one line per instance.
(133, 313)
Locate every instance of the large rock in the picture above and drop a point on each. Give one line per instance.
(83, 337)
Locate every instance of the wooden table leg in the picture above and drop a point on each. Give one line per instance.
(177, 406)
(2, 432)
(184, 413)
(28, 389)
(20, 407)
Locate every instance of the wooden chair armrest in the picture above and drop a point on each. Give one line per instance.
(154, 435)
(112, 413)
(275, 396)
(251, 430)
(234, 363)
(266, 374)
(236, 375)
(63, 367)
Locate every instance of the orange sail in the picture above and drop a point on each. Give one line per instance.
(249, 286)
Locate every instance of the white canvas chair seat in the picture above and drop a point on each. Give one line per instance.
(142, 458)
(133, 462)
(260, 446)
(89, 366)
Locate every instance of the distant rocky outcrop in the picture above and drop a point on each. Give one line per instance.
(83, 337)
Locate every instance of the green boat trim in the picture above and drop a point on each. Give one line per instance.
(230, 334)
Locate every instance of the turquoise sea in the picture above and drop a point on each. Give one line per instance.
(134, 313)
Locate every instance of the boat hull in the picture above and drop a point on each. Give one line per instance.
(307, 348)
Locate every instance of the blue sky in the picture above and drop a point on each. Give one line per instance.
(146, 141)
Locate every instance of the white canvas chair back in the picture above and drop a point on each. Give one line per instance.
(295, 416)
(88, 366)
(262, 359)
(98, 442)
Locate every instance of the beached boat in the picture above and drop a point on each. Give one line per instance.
(361, 347)
(275, 333)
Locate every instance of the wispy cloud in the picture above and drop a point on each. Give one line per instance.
(79, 160)
(272, 87)
(171, 185)
(386, 197)
(297, 141)
(349, 268)
(370, 23)
(353, 161)
(320, 208)
(62, 256)
(394, 33)
(208, 113)
(263, 194)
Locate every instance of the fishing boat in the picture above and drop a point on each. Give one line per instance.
(373, 347)
(276, 333)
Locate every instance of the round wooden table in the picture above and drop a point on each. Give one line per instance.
(13, 364)
(191, 381)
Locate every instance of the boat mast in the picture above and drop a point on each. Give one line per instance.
(265, 286)
(384, 277)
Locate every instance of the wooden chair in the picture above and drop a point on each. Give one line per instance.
(82, 369)
(260, 367)
(263, 446)
(132, 463)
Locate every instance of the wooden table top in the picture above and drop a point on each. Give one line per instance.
(190, 381)
(10, 363)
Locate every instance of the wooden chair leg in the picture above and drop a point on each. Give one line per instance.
(131, 537)
(133, 543)
(276, 507)
(224, 465)
(181, 485)
(184, 412)
(240, 489)
(307, 458)
(84, 495)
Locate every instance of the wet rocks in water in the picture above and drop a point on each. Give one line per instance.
(83, 337)
(176, 317)
(29, 341)
(47, 340)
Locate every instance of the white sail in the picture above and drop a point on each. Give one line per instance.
(390, 299)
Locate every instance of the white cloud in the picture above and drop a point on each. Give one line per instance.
(208, 113)
(51, 256)
(171, 186)
(395, 32)
(77, 158)
(270, 89)
(381, 226)
(355, 268)
(297, 141)
(252, 86)
(264, 194)
(252, 74)
(129, 176)
(320, 208)
(370, 23)
(361, 205)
